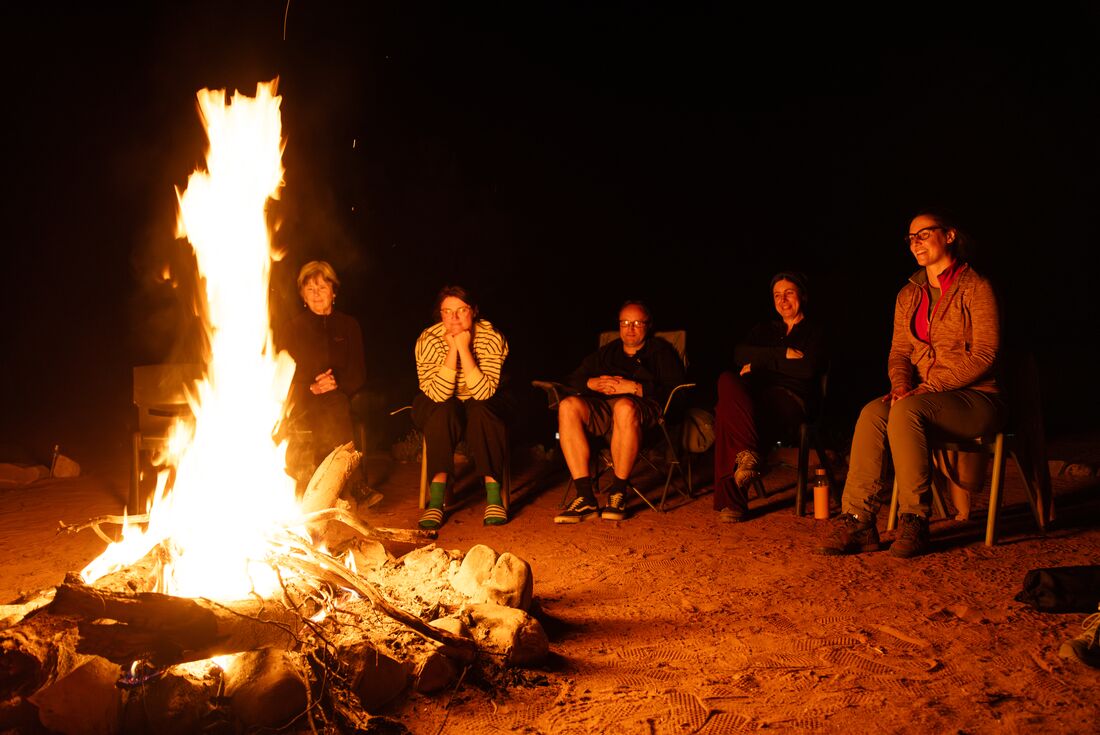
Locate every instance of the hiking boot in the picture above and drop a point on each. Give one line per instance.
(851, 535)
(580, 509)
(748, 470)
(1085, 647)
(615, 510)
(912, 537)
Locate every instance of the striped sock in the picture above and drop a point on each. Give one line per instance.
(436, 491)
(492, 493)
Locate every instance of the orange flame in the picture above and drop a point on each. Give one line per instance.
(231, 490)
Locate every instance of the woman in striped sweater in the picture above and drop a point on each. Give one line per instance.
(458, 364)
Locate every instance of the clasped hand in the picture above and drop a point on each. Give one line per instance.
(459, 340)
(612, 385)
(323, 383)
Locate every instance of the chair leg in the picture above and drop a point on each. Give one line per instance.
(506, 480)
(423, 473)
(892, 516)
(803, 469)
(135, 475)
(1032, 493)
(995, 489)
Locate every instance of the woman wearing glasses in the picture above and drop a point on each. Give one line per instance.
(941, 370)
(774, 388)
(458, 365)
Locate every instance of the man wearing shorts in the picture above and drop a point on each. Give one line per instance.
(622, 388)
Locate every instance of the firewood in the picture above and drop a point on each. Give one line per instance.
(165, 630)
(329, 478)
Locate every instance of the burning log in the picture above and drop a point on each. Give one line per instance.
(169, 630)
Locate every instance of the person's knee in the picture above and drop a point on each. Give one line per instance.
(874, 413)
(572, 410)
(729, 384)
(625, 415)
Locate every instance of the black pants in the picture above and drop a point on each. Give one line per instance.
(318, 425)
(481, 423)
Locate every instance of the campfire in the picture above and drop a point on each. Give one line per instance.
(232, 601)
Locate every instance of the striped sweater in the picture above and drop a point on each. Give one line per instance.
(439, 382)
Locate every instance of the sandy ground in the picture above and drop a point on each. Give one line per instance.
(672, 623)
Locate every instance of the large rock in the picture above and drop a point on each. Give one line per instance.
(486, 577)
(83, 702)
(510, 632)
(474, 572)
(268, 688)
(375, 676)
(511, 583)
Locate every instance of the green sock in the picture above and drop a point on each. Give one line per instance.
(436, 491)
(492, 493)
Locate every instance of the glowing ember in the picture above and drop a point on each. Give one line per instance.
(231, 491)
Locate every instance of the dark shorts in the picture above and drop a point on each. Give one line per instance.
(600, 413)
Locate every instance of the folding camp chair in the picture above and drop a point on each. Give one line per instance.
(651, 441)
(160, 397)
(1023, 439)
(505, 481)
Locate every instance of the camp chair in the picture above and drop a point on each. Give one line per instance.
(650, 440)
(505, 481)
(160, 398)
(809, 435)
(1022, 439)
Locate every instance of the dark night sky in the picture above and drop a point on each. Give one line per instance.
(557, 158)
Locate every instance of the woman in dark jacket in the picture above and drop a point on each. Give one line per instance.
(774, 387)
(327, 347)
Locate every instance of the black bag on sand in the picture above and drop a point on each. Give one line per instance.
(1062, 589)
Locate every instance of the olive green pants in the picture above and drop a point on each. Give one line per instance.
(901, 433)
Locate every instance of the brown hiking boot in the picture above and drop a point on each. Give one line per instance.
(850, 535)
(912, 537)
(748, 469)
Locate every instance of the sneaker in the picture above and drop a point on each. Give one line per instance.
(748, 470)
(912, 537)
(615, 510)
(1085, 647)
(580, 509)
(368, 497)
(850, 535)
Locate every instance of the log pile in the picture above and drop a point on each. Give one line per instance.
(328, 655)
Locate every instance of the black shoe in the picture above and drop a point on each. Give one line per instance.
(850, 535)
(615, 510)
(580, 509)
(912, 536)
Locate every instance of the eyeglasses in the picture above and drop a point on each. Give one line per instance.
(922, 234)
(461, 311)
(636, 323)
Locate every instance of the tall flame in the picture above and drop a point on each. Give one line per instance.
(231, 490)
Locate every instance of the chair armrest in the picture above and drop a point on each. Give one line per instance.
(668, 403)
(555, 391)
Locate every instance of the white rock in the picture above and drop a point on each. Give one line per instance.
(511, 582)
(475, 572)
(514, 634)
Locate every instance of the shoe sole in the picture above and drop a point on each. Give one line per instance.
(612, 516)
(575, 519)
